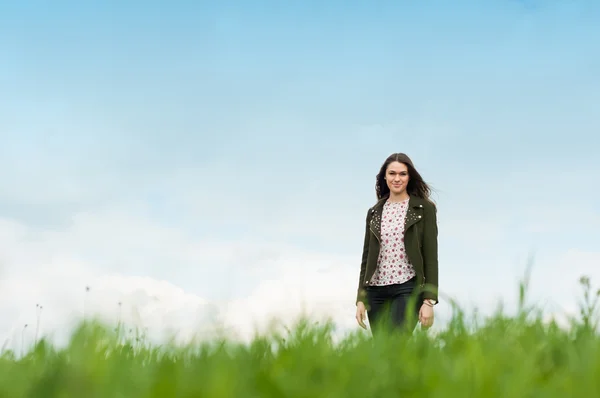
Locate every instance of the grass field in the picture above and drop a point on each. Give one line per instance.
(501, 356)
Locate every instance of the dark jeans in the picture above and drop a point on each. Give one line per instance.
(393, 307)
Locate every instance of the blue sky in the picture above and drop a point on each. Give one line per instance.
(226, 147)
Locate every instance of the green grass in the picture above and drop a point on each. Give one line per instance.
(519, 356)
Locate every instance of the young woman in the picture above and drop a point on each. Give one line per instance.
(398, 279)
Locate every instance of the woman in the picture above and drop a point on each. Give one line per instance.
(398, 280)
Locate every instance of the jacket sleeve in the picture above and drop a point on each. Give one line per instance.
(361, 292)
(430, 252)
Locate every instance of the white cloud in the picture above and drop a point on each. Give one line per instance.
(557, 279)
(53, 268)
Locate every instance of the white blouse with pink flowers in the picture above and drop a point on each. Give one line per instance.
(393, 265)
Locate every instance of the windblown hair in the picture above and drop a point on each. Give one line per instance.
(416, 185)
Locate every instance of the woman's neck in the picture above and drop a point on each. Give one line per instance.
(399, 197)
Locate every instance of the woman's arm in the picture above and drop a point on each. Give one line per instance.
(361, 293)
(430, 252)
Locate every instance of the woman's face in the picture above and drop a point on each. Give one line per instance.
(396, 177)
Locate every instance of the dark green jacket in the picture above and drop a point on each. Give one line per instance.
(420, 240)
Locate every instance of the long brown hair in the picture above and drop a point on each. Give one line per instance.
(416, 185)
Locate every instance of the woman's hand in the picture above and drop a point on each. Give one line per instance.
(426, 315)
(361, 314)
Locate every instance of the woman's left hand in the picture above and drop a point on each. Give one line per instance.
(426, 315)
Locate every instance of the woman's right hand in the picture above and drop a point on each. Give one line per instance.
(361, 314)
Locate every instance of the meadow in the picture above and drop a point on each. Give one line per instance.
(499, 356)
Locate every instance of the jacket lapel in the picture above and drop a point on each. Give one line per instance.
(375, 223)
(414, 213)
